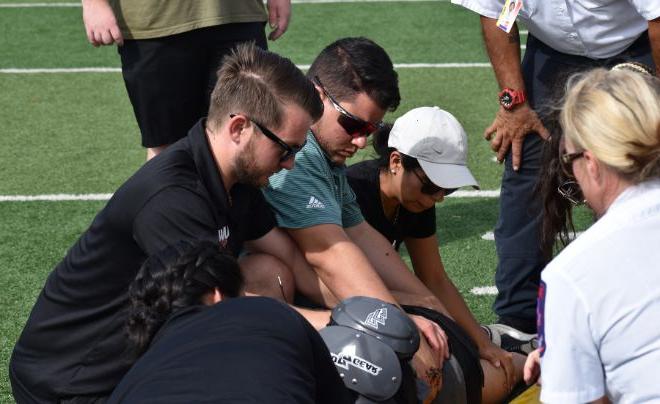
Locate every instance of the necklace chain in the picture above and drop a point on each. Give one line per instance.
(396, 214)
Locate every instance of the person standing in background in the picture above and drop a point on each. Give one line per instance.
(599, 298)
(564, 38)
(171, 50)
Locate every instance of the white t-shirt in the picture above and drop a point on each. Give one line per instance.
(594, 28)
(599, 307)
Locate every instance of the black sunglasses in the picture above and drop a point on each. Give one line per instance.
(571, 191)
(354, 126)
(288, 150)
(566, 161)
(429, 188)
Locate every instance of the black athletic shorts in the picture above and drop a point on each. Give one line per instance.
(169, 80)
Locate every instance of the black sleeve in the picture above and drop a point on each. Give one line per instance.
(172, 215)
(420, 225)
(260, 217)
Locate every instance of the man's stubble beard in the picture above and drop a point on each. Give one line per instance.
(245, 168)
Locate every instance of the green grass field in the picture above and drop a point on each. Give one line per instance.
(76, 133)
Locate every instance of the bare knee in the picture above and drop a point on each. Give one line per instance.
(154, 151)
(265, 275)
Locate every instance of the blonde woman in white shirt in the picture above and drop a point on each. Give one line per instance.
(599, 301)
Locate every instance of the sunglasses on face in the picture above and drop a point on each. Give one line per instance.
(288, 151)
(566, 161)
(430, 188)
(571, 191)
(354, 126)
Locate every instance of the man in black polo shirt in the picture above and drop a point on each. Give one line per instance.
(202, 187)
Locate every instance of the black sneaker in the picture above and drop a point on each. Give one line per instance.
(510, 339)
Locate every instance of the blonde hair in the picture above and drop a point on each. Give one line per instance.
(615, 114)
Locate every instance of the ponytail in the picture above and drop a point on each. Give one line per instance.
(176, 278)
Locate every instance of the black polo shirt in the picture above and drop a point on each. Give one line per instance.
(73, 340)
(245, 350)
(364, 179)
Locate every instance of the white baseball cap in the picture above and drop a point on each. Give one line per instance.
(438, 141)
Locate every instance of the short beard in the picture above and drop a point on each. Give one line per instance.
(245, 170)
(325, 146)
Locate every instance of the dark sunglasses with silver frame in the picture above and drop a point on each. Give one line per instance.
(354, 126)
(429, 188)
(571, 191)
(288, 150)
(569, 188)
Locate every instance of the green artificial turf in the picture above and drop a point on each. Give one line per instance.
(33, 238)
(429, 32)
(76, 133)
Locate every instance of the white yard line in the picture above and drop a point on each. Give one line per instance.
(105, 197)
(55, 197)
(55, 5)
(61, 70)
(484, 291)
(12, 70)
(490, 236)
(38, 5)
(495, 193)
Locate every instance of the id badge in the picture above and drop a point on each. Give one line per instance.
(508, 15)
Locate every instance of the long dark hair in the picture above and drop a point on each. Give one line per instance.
(176, 278)
(557, 226)
(383, 151)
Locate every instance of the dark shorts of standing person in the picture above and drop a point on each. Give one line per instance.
(169, 79)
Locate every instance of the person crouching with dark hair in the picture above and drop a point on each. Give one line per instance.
(199, 344)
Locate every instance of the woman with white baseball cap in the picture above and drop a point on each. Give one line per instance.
(422, 159)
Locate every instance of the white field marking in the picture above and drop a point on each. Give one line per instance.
(484, 290)
(53, 5)
(38, 5)
(523, 47)
(476, 194)
(105, 197)
(13, 70)
(524, 32)
(62, 70)
(55, 197)
(490, 236)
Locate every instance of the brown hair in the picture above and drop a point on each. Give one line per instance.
(350, 66)
(258, 83)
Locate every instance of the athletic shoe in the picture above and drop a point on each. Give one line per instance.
(510, 339)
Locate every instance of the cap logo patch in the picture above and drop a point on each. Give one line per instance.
(376, 317)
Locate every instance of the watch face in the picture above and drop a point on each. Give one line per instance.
(506, 99)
